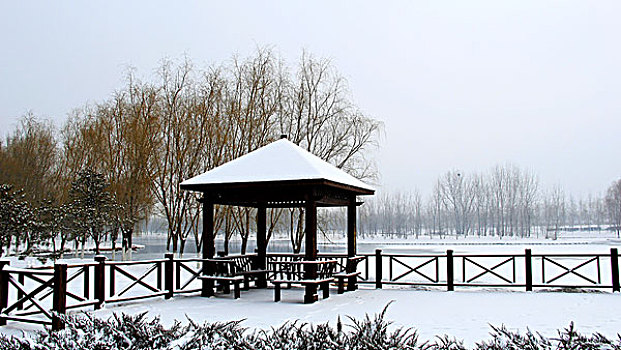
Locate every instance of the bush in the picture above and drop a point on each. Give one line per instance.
(127, 332)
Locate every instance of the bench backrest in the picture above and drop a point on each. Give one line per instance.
(352, 263)
(243, 263)
(222, 268)
(326, 270)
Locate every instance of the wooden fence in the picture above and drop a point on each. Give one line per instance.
(40, 295)
(516, 271)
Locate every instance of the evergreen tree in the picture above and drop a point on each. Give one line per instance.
(91, 208)
(15, 216)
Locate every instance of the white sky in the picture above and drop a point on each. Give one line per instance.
(459, 84)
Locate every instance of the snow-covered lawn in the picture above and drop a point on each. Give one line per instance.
(463, 314)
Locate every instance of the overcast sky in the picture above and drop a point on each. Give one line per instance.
(459, 84)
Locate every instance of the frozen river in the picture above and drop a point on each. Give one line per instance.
(587, 242)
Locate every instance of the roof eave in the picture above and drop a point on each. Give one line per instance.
(215, 187)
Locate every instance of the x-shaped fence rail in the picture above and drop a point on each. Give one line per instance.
(567, 271)
(414, 269)
(153, 269)
(487, 270)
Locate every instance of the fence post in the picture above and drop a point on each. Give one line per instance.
(158, 268)
(528, 258)
(449, 271)
(111, 280)
(378, 268)
(100, 281)
(168, 275)
(21, 278)
(59, 304)
(614, 262)
(87, 281)
(4, 289)
(178, 275)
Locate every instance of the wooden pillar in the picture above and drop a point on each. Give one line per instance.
(351, 229)
(311, 232)
(310, 270)
(59, 298)
(209, 247)
(351, 242)
(261, 243)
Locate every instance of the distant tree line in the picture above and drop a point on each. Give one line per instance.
(123, 158)
(505, 201)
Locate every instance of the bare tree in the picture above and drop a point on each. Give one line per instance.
(555, 209)
(613, 204)
(318, 115)
(458, 197)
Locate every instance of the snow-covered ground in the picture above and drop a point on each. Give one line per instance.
(464, 314)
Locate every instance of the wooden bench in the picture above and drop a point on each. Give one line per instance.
(350, 274)
(223, 272)
(294, 272)
(323, 284)
(245, 267)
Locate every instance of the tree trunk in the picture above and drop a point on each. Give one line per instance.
(227, 239)
(83, 247)
(97, 243)
(181, 246)
(175, 240)
(244, 244)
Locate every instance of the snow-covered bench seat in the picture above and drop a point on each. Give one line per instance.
(325, 272)
(349, 274)
(223, 272)
(225, 282)
(322, 283)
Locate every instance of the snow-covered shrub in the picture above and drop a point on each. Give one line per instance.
(127, 332)
(569, 338)
(374, 333)
(119, 332)
(211, 336)
(507, 340)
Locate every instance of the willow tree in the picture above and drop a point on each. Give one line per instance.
(191, 135)
(29, 160)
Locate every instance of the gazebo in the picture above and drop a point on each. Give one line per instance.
(279, 175)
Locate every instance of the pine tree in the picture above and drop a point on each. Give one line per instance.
(91, 208)
(15, 217)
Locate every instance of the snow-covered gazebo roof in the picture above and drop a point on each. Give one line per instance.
(281, 165)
